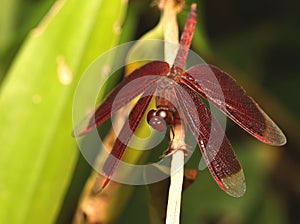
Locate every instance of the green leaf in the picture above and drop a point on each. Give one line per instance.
(7, 21)
(38, 153)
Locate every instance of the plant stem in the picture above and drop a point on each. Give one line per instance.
(176, 175)
(170, 27)
(177, 172)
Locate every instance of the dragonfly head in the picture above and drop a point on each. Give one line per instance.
(160, 119)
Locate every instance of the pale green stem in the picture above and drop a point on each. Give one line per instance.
(177, 171)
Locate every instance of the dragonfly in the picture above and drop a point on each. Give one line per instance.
(186, 88)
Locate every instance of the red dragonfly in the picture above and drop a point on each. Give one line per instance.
(185, 87)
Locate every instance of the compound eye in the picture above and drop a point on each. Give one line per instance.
(166, 115)
(159, 119)
(150, 115)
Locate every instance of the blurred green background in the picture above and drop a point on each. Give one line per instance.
(43, 54)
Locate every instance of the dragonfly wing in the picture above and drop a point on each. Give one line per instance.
(213, 143)
(127, 132)
(127, 90)
(225, 93)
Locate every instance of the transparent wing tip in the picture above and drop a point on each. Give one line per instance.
(235, 184)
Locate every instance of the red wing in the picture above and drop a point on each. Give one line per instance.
(223, 91)
(126, 133)
(213, 143)
(131, 87)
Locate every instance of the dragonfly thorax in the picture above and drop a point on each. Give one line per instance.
(175, 73)
(160, 119)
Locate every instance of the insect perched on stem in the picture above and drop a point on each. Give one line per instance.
(184, 88)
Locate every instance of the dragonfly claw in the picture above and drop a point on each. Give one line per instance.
(185, 148)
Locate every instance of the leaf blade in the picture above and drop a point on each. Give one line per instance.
(39, 154)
